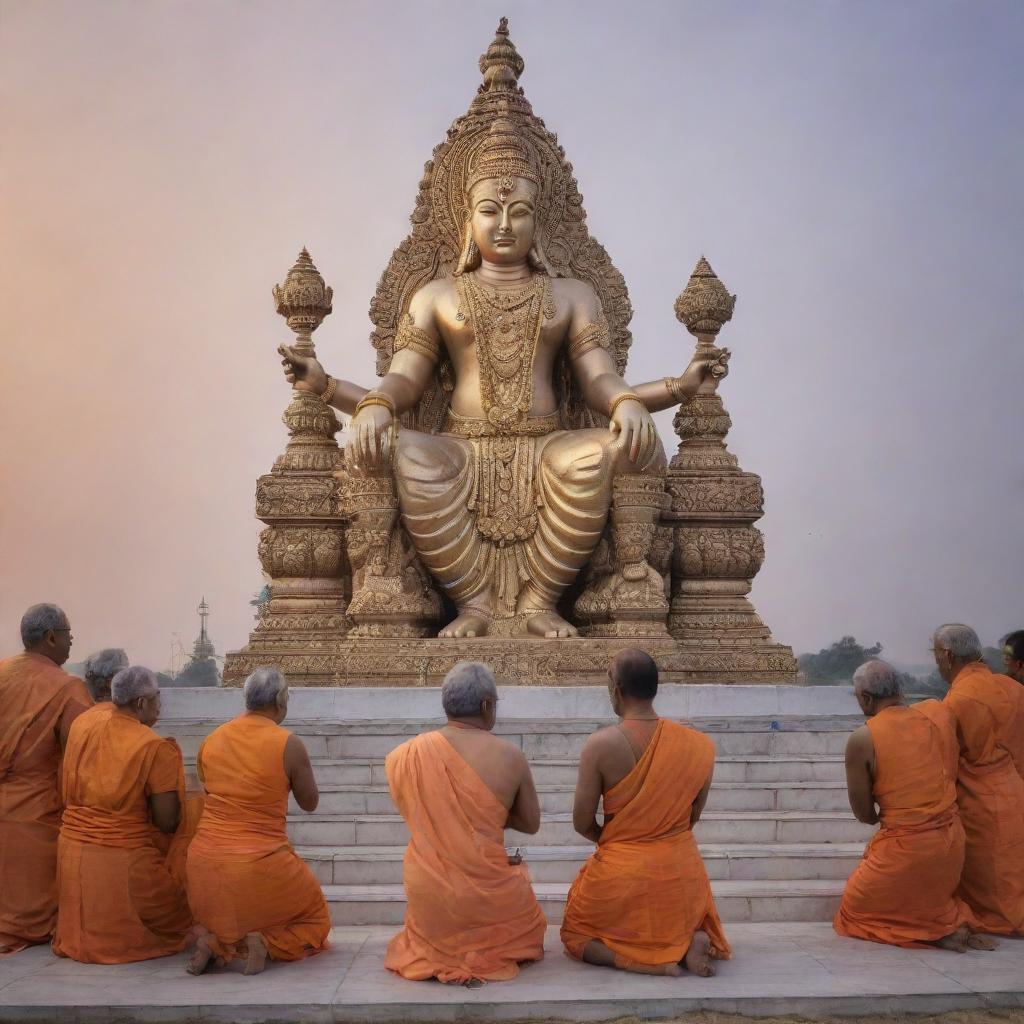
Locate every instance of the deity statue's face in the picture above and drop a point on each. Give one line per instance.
(503, 223)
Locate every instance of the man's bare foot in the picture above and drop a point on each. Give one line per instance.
(549, 623)
(956, 942)
(256, 953)
(467, 624)
(983, 942)
(623, 963)
(201, 955)
(698, 957)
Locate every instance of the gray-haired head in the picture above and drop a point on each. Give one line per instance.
(263, 688)
(877, 678)
(465, 688)
(38, 621)
(132, 683)
(959, 640)
(100, 669)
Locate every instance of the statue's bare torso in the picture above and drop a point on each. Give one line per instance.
(436, 306)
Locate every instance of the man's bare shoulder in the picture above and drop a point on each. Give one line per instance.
(602, 739)
(860, 742)
(509, 751)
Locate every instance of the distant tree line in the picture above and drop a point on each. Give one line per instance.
(834, 666)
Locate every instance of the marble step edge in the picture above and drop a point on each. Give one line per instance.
(560, 761)
(570, 787)
(734, 851)
(516, 726)
(557, 891)
(710, 815)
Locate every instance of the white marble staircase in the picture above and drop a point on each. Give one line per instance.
(777, 835)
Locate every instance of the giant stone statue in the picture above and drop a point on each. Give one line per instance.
(502, 480)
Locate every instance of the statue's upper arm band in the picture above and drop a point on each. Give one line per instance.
(592, 336)
(415, 338)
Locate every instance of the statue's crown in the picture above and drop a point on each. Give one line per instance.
(504, 154)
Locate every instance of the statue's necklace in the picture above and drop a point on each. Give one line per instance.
(506, 325)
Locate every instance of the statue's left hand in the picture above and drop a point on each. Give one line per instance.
(636, 431)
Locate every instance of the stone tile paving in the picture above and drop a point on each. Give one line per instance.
(783, 968)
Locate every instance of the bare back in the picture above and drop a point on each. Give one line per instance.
(618, 748)
(501, 766)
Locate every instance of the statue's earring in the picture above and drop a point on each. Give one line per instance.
(537, 258)
(469, 259)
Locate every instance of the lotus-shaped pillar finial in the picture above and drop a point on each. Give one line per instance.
(705, 304)
(303, 300)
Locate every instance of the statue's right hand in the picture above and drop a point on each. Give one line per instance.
(370, 436)
(303, 372)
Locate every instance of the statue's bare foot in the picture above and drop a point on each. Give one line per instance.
(202, 955)
(256, 953)
(698, 957)
(957, 941)
(548, 623)
(467, 624)
(985, 942)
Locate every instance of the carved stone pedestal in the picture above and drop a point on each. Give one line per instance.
(629, 601)
(392, 596)
(373, 661)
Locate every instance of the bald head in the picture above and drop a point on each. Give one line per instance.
(635, 674)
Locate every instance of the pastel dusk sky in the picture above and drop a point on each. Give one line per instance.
(852, 169)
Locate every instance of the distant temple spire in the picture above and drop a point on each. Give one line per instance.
(203, 648)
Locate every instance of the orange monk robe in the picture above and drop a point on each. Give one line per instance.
(645, 892)
(37, 699)
(989, 711)
(243, 875)
(470, 914)
(904, 890)
(177, 847)
(118, 900)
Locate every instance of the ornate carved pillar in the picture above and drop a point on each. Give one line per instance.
(713, 506)
(302, 549)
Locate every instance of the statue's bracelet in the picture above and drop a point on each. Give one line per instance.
(328, 392)
(377, 398)
(626, 396)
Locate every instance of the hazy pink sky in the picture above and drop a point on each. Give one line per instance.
(852, 170)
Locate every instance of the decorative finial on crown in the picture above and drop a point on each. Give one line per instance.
(501, 65)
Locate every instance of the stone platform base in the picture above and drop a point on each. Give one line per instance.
(802, 970)
(582, 661)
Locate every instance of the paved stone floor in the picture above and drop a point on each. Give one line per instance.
(782, 968)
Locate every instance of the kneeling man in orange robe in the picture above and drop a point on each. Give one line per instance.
(123, 787)
(471, 915)
(251, 894)
(989, 711)
(905, 760)
(643, 902)
(38, 703)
